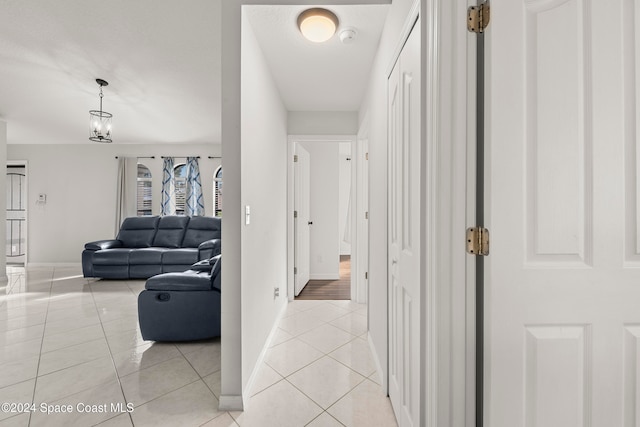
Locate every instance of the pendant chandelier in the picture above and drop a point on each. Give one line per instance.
(100, 121)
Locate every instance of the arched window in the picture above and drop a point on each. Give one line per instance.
(217, 192)
(180, 173)
(145, 193)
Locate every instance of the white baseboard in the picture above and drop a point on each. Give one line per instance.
(376, 361)
(246, 394)
(55, 264)
(324, 277)
(230, 403)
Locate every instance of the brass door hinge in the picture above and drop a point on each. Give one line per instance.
(295, 214)
(295, 270)
(478, 17)
(366, 215)
(295, 158)
(478, 241)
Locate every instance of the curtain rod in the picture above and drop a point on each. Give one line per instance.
(142, 157)
(164, 157)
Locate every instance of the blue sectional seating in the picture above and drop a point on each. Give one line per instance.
(151, 245)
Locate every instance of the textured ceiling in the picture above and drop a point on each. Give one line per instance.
(329, 76)
(162, 61)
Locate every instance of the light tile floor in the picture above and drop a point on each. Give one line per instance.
(72, 347)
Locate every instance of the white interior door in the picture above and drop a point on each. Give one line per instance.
(404, 233)
(16, 214)
(562, 181)
(302, 181)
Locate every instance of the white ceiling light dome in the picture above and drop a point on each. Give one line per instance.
(317, 25)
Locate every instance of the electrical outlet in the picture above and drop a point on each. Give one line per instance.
(276, 293)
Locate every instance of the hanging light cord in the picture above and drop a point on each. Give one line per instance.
(101, 100)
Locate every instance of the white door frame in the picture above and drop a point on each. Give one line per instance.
(448, 204)
(360, 251)
(292, 139)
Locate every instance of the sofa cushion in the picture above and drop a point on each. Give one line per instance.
(183, 256)
(138, 232)
(200, 229)
(187, 281)
(118, 256)
(146, 256)
(144, 271)
(171, 229)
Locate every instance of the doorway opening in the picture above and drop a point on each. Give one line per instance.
(324, 198)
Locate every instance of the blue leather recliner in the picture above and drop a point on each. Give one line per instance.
(182, 306)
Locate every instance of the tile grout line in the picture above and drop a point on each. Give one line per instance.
(35, 383)
(113, 362)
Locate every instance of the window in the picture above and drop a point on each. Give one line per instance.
(180, 173)
(145, 194)
(217, 192)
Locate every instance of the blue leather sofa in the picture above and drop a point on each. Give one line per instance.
(182, 306)
(146, 246)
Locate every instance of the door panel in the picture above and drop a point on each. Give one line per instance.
(302, 198)
(404, 231)
(562, 295)
(16, 215)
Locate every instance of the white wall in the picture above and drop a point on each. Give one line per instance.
(322, 122)
(375, 105)
(264, 189)
(344, 198)
(324, 251)
(3, 201)
(80, 184)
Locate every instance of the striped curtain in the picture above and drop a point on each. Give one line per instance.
(168, 200)
(194, 205)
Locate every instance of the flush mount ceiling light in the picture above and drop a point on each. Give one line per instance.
(100, 121)
(317, 24)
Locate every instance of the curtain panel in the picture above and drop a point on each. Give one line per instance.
(168, 199)
(194, 204)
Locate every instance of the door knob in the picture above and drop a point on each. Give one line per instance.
(310, 222)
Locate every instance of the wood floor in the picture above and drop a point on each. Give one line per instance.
(330, 289)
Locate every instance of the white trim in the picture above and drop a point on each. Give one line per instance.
(360, 246)
(376, 362)
(323, 277)
(54, 264)
(411, 19)
(259, 362)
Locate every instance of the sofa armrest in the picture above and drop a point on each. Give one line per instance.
(209, 249)
(103, 244)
